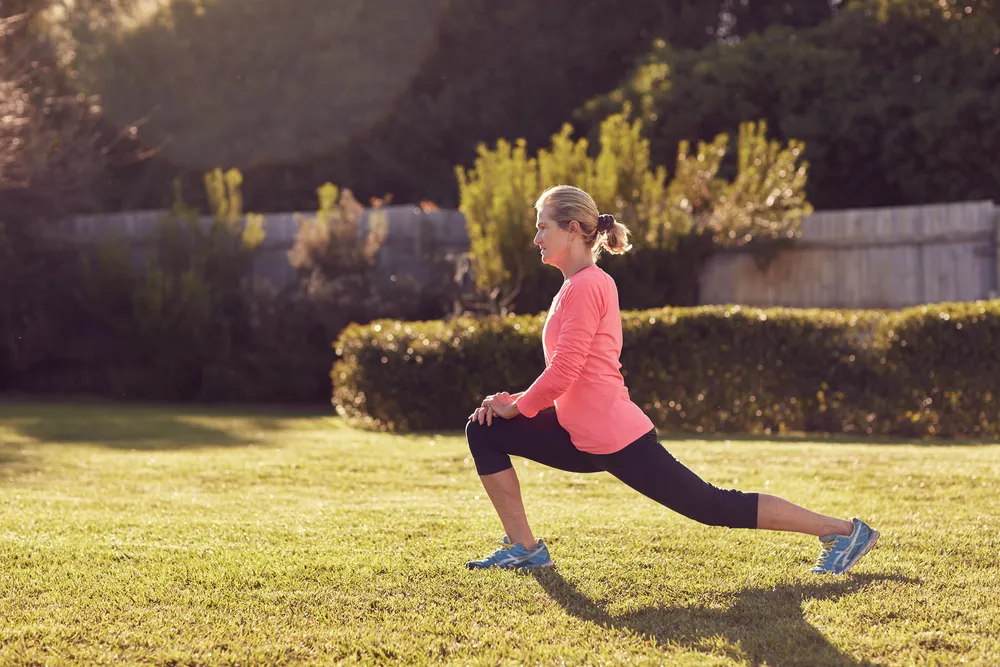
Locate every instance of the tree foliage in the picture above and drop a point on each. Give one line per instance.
(376, 95)
(53, 155)
(896, 100)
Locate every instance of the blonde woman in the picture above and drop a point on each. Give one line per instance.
(577, 415)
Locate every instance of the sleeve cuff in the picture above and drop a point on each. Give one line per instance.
(526, 407)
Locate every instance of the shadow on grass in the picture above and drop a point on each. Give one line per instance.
(13, 460)
(761, 626)
(9, 455)
(141, 427)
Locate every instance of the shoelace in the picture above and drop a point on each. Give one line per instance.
(501, 550)
(825, 554)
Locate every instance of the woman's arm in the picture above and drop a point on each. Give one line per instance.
(581, 316)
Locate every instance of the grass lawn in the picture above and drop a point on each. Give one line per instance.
(195, 536)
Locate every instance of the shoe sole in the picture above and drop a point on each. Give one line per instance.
(550, 563)
(865, 549)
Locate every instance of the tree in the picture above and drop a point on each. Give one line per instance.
(896, 100)
(47, 161)
(54, 151)
(392, 114)
(746, 17)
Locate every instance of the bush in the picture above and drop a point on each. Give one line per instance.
(675, 225)
(336, 266)
(176, 328)
(187, 320)
(192, 323)
(386, 368)
(928, 371)
(945, 368)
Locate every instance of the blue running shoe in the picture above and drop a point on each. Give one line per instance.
(514, 557)
(840, 552)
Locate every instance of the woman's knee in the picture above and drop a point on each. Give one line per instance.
(488, 458)
(478, 438)
(474, 432)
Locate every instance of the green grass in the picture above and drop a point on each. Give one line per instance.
(196, 536)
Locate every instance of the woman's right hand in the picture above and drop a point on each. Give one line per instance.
(483, 414)
(500, 398)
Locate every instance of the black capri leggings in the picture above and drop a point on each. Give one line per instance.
(645, 465)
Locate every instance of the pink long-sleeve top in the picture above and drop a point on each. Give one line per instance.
(582, 342)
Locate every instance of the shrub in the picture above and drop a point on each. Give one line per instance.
(704, 370)
(337, 285)
(186, 319)
(180, 322)
(675, 225)
(190, 322)
(386, 368)
(336, 265)
(945, 368)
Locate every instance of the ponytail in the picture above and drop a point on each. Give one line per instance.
(612, 236)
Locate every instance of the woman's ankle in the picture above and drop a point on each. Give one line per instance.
(528, 541)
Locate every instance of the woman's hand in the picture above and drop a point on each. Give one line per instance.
(506, 410)
(500, 404)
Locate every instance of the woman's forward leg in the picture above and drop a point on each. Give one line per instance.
(540, 439)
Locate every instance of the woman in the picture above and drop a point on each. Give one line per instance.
(577, 416)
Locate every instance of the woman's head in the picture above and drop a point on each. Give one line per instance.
(569, 222)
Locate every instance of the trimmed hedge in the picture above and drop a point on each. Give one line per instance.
(925, 371)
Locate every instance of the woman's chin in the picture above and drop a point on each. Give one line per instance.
(547, 259)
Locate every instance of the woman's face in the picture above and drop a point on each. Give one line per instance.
(552, 240)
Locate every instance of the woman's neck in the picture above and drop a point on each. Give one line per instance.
(577, 264)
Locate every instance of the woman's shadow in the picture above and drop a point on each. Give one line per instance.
(760, 626)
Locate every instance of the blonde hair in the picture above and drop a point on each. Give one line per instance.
(568, 203)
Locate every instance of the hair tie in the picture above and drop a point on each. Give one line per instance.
(605, 222)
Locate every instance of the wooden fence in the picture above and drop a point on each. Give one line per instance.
(870, 258)
(414, 238)
(866, 258)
